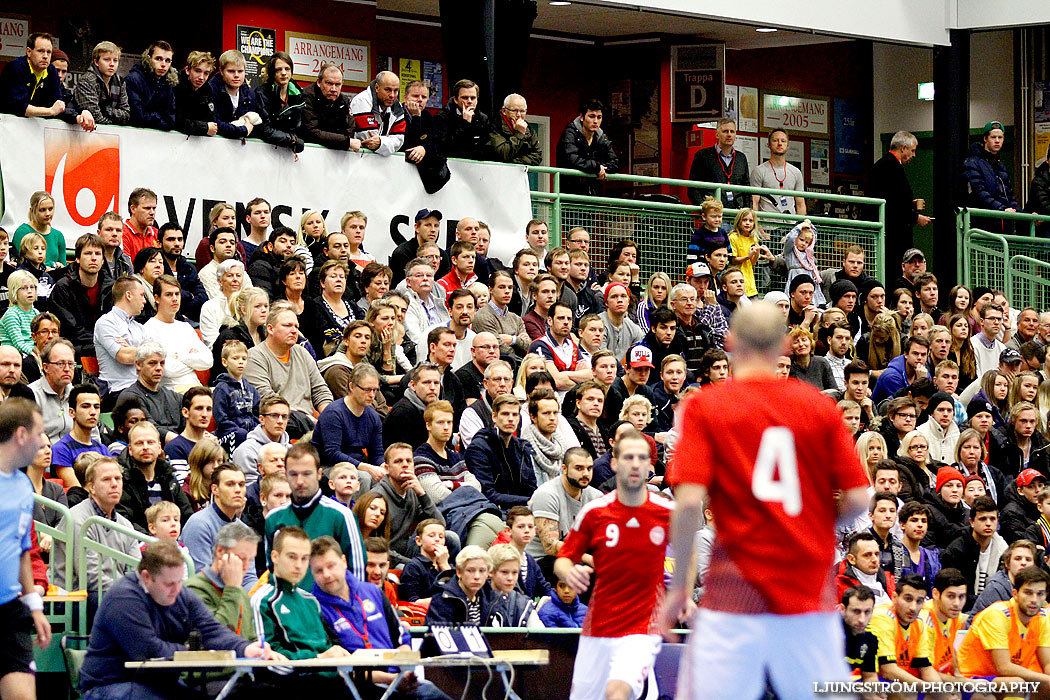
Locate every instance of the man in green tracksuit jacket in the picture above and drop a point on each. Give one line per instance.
(289, 617)
(316, 514)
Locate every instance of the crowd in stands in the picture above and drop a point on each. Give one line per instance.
(303, 420)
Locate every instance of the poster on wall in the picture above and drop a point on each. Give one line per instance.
(409, 69)
(732, 105)
(848, 139)
(796, 154)
(14, 31)
(748, 105)
(432, 77)
(748, 145)
(803, 115)
(258, 45)
(1041, 103)
(819, 162)
(309, 51)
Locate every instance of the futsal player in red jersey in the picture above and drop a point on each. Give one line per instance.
(626, 532)
(771, 456)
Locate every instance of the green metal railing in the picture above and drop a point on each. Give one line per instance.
(1004, 260)
(66, 536)
(663, 229)
(83, 545)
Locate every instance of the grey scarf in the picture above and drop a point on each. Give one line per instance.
(548, 455)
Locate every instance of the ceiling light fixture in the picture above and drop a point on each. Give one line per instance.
(765, 30)
(559, 3)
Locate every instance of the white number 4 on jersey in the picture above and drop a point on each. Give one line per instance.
(777, 458)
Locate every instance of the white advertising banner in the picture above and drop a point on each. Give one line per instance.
(92, 173)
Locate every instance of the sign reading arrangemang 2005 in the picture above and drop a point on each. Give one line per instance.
(92, 173)
(794, 114)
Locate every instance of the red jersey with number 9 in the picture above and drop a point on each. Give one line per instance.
(628, 545)
(771, 454)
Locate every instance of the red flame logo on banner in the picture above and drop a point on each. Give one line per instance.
(82, 172)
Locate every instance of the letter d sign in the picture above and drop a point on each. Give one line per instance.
(697, 96)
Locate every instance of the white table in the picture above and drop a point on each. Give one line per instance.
(502, 661)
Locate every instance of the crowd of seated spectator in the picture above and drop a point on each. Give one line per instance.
(308, 421)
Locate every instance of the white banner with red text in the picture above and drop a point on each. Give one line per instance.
(89, 174)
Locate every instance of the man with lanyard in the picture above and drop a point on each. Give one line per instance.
(223, 585)
(720, 163)
(21, 607)
(361, 616)
(561, 352)
(777, 173)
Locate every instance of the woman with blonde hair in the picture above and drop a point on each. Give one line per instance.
(203, 458)
(881, 344)
(41, 212)
(1042, 404)
(811, 369)
(312, 232)
(15, 323)
(1025, 387)
(530, 364)
(916, 447)
(871, 447)
(386, 353)
(249, 309)
(921, 324)
(656, 293)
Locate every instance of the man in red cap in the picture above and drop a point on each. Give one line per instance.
(635, 380)
(1022, 504)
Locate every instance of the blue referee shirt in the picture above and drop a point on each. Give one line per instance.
(16, 517)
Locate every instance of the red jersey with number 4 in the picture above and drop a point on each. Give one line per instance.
(628, 545)
(771, 454)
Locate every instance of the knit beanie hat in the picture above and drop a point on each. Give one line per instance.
(978, 405)
(946, 474)
(979, 292)
(799, 280)
(841, 288)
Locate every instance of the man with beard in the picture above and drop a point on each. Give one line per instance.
(172, 241)
(556, 504)
(777, 173)
(148, 477)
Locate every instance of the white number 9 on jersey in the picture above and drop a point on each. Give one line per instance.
(612, 534)
(777, 453)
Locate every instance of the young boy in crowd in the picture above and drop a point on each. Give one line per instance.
(425, 573)
(236, 402)
(564, 609)
(520, 610)
(345, 483)
(164, 520)
(521, 526)
(850, 416)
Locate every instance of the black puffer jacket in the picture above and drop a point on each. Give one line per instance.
(455, 137)
(191, 107)
(1017, 516)
(946, 522)
(574, 152)
(324, 121)
(135, 499)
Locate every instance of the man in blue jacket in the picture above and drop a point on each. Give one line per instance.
(361, 616)
(903, 370)
(501, 461)
(151, 88)
(148, 615)
(30, 88)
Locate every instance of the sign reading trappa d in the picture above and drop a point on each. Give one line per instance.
(794, 114)
(310, 51)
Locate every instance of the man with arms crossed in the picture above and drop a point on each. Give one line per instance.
(626, 534)
(771, 495)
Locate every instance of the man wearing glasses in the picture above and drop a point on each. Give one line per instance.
(52, 389)
(986, 345)
(424, 313)
(512, 140)
(351, 430)
(273, 421)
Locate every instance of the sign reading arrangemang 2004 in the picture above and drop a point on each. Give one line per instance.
(310, 51)
(89, 174)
